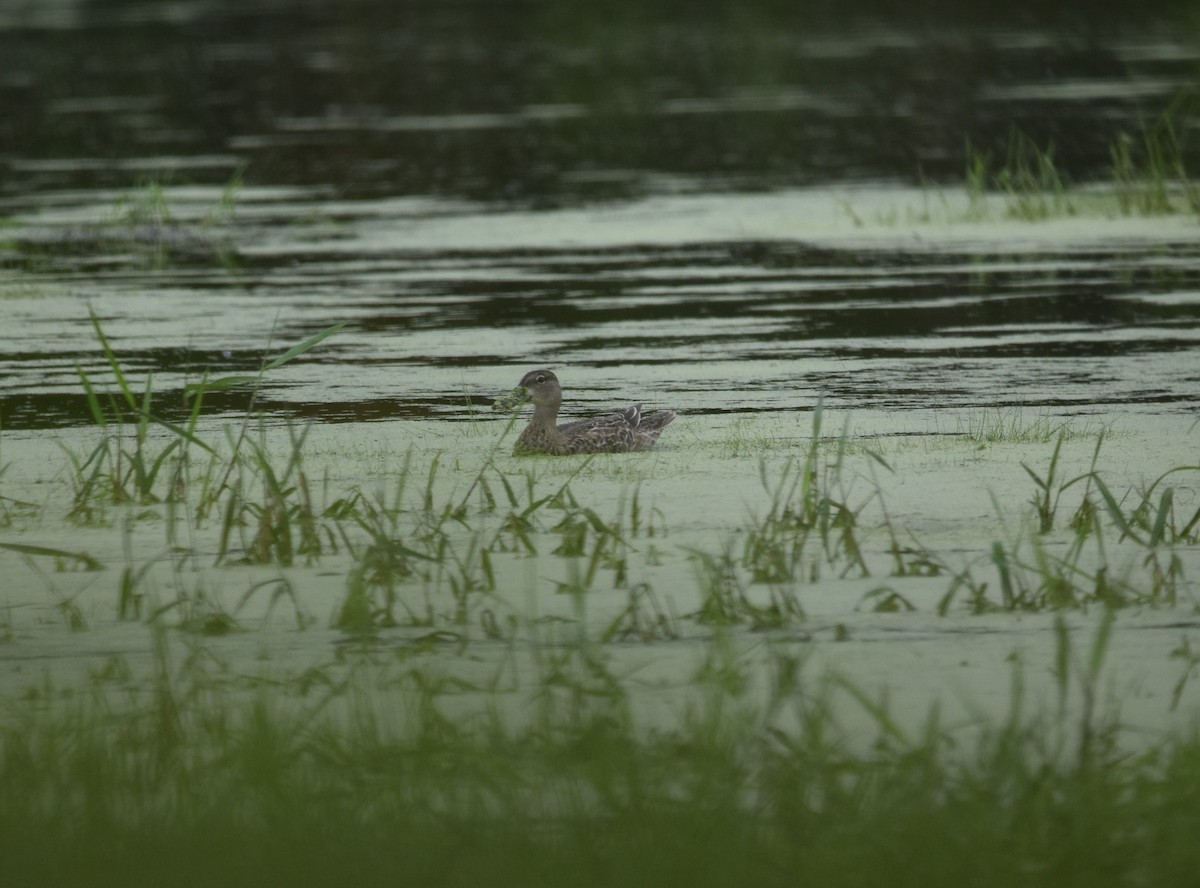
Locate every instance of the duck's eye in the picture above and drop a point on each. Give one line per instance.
(541, 379)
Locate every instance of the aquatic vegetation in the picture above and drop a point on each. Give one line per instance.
(373, 766)
(438, 703)
(1152, 525)
(1045, 500)
(645, 618)
(116, 472)
(1149, 173)
(725, 600)
(12, 510)
(283, 518)
(1031, 576)
(744, 438)
(63, 558)
(618, 671)
(808, 502)
(156, 225)
(1028, 177)
(147, 227)
(1014, 425)
(432, 556)
(113, 473)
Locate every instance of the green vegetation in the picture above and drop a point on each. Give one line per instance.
(1012, 425)
(1028, 178)
(448, 722)
(156, 225)
(412, 550)
(322, 776)
(1148, 175)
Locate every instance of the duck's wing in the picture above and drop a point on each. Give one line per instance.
(601, 434)
(609, 422)
(656, 422)
(617, 432)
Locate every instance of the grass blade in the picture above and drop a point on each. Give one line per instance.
(221, 384)
(296, 350)
(113, 362)
(93, 400)
(1114, 509)
(83, 558)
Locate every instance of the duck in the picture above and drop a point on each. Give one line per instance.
(629, 431)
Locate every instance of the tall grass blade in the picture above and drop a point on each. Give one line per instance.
(1114, 510)
(225, 383)
(296, 350)
(113, 362)
(1160, 520)
(83, 558)
(93, 400)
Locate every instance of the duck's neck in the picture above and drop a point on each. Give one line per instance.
(546, 414)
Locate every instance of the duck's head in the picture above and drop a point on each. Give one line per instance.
(542, 387)
(539, 386)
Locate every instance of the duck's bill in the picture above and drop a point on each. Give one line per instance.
(510, 401)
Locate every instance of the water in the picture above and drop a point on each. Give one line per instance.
(711, 211)
(728, 211)
(708, 325)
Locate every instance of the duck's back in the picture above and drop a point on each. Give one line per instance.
(617, 432)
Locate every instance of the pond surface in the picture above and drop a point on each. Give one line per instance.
(647, 304)
(713, 210)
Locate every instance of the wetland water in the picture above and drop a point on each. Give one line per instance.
(728, 215)
(712, 206)
(637, 199)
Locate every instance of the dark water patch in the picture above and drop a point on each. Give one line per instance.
(554, 104)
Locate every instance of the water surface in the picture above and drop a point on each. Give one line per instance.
(677, 207)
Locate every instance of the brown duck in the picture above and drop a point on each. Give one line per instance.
(614, 433)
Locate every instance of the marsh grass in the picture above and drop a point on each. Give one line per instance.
(809, 504)
(124, 467)
(1148, 171)
(362, 771)
(1157, 529)
(646, 617)
(270, 508)
(1028, 177)
(64, 602)
(533, 766)
(426, 556)
(150, 226)
(385, 560)
(1013, 425)
(725, 598)
(808, 526)
(130, 466)
(1034, 572)
(1045, 499)
(1148, 174)
(440, 540)
(746, 437)
(118, 472)
(1191, 664)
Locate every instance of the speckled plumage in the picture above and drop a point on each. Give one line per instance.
(614, 433)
